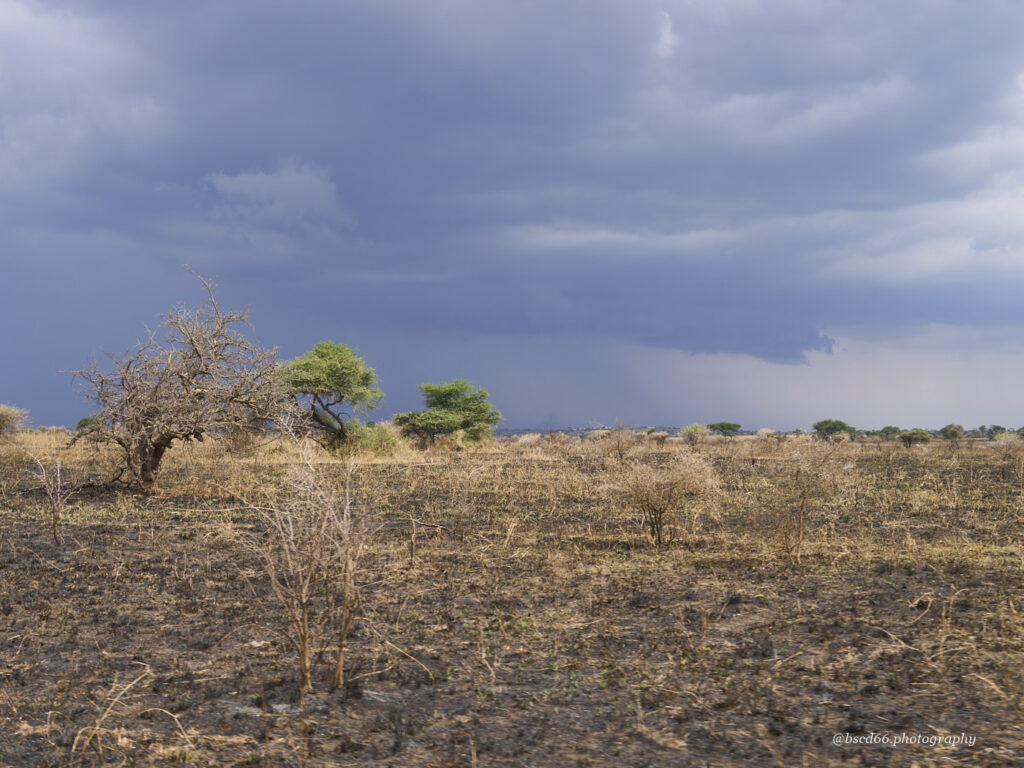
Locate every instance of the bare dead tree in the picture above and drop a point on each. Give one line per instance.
(196, 374)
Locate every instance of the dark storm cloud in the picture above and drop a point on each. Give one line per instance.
(726, 176)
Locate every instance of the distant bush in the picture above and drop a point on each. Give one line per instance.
(768, 440)
(915, 436)
(952, 432)
(618, 443)
(991, 432)
(658, 438)
(727, 428)
(832, 429)
(11, 419)
(87, 421)
(694, 433)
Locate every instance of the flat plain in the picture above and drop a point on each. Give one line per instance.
(516, 611)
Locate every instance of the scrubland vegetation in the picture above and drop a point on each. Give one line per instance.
(621, 600)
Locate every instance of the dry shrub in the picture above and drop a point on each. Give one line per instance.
(239, 441)
(58, 491)
(1010, 451)
(12, 456)
(658, 438)
(454, 441)
(11, 419)
(310, 549)
(665, 495)
(619, 443)
(767, 441)
(811, 476)
(694, 434)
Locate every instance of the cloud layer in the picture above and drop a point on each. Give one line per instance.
(624, 201)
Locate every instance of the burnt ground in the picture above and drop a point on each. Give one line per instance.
(148, 637)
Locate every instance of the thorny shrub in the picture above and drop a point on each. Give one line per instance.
(663, 495)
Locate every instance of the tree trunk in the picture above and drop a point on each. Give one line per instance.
(338, 680)
(148, 456)
(330, 421)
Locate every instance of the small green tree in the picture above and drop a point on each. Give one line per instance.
(993, 431)
(914, 436)
(86, 422)
(334, 379)
(450, 406)
(832, 428)
(694, 433)
(952, 432)
(889, 432)
(726, 428)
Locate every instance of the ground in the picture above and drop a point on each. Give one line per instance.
(515, 612)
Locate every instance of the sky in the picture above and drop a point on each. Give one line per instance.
(767, 212)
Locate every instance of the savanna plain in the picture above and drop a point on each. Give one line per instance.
(619, 600)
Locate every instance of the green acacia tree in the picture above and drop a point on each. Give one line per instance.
(915, 436)
(954, 433)
(450, 406)
(832, 428)
(337, 383)
(727, 428)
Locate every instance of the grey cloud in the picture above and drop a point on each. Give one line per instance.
(713, 177)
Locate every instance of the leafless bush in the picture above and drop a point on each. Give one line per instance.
(663, 494)
(11, 419)
(58, 491)
(310, 550)
(619, 443)
(811, 477)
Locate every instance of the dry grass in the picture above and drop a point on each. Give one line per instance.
(513, 612)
